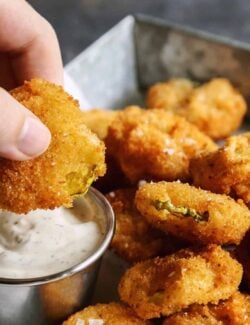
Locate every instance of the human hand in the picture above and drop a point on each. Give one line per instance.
(28, 49)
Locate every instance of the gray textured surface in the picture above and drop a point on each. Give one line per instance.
(79, 22)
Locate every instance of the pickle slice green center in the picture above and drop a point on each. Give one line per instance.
(183, 211)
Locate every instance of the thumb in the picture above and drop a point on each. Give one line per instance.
(22, 134)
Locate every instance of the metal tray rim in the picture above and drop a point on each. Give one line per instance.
(224, 40)
(138, 17)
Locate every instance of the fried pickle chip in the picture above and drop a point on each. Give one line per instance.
(216, 107)
(74, 159)
(226, 170)
(154, 144)
(163, 286)
(193, 214)
(243, 256)
(99, 120)
(107, 314)
(134, 239)
(234, 311)
(170, 95)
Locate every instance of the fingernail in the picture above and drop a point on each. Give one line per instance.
(34, 137)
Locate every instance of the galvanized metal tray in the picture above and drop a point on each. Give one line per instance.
(140, 51)
(137, 52)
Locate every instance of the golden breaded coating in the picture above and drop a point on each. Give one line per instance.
(134, 239)
(110, 314)
(243, 191)
(99, 120)
(193, 214)
(226, 170)
(170, 95)
(154, 144)
(243, 256)
(163, 286)
(74, 159)
(234, 311)
(216, 107)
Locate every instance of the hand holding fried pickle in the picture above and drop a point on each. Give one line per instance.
(226, 170)
(28, 49)
(107, 314)
(74, 159)
(234, 311)
(134, 239)
(216, 107)
(154, 144)
(163, 286)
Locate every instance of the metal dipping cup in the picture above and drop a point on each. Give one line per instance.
(51, 299)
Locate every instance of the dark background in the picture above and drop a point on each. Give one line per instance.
(79, 22)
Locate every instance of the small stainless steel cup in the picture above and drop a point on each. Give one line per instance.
(51, 299)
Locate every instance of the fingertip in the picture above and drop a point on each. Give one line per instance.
(22, 134)
(34, 138)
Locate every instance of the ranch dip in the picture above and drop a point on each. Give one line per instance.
(44, 242)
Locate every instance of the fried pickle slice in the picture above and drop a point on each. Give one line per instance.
(154, 144)
(134, 239)
(99, 120)
(234, 311)
(74, 159)
(215, 107)
(108, 314)
(163, 286)
(243, 256)
(193, 214)
(170, 95)
(226, 170)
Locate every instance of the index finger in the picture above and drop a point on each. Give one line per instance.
(30, 41)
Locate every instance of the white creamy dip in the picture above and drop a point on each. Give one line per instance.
(45, 242)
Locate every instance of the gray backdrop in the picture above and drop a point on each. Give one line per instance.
(79, 22)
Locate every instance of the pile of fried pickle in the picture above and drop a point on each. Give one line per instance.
(181, 203)
(181, 200)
